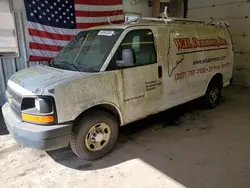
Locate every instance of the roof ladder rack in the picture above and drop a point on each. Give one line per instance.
(167, 19)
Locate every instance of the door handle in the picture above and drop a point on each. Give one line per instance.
(159, 71)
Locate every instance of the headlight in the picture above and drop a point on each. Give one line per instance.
(43, 105)
(39, 110)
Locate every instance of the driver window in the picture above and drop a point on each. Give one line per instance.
(141, 43)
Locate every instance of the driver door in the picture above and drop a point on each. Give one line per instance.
(140, 84)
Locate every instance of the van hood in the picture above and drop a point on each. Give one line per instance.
(34, 79)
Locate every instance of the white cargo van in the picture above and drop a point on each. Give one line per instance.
(113, 75)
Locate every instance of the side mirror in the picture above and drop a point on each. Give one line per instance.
(127, 59)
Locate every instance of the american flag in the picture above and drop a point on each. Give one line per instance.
(53, 23)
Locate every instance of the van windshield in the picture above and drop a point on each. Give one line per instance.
(87, 51)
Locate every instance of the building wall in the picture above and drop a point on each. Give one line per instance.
(140, 6)
(237, 13)
(8, 44)
(175, 8)
(8, 66)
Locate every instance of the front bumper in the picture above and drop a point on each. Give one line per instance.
(47, 138)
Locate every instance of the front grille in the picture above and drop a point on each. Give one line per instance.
(15, 96)
(15, 101)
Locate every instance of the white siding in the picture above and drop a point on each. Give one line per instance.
(8, 42)
(18, 5)
(141, 6)
(203, 3)
(237, 13)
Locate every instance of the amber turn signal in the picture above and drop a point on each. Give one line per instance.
(38, 119)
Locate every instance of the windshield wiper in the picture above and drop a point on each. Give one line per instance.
(72, 66)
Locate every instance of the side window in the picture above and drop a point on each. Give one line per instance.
(141, 42)
(136, 44)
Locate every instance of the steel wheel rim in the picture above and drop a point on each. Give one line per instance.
(214, 95)
(98, 137)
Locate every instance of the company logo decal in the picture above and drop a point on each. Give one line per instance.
(193, 43)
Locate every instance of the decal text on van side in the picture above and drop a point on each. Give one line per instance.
(200, 71)
(191, 43)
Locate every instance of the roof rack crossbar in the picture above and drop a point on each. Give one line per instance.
(169, 19)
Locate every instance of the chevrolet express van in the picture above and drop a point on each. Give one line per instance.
(113, 75)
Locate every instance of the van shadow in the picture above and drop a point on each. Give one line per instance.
(152, 140)
(3, 128)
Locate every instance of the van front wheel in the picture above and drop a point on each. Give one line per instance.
(213, 95)
(94, 135)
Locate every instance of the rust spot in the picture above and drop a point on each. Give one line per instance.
(123, 81)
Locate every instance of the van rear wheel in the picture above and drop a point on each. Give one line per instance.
(94, 135)
(213, 94)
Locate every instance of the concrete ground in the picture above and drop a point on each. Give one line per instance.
(183, 147)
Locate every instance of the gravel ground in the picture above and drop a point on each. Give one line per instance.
(182, 147)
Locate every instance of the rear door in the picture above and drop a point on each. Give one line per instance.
(208, 57)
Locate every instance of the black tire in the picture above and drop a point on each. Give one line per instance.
(213, 94)
(83, 125)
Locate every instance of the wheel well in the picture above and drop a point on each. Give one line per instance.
(106, 107)
(217, 78)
